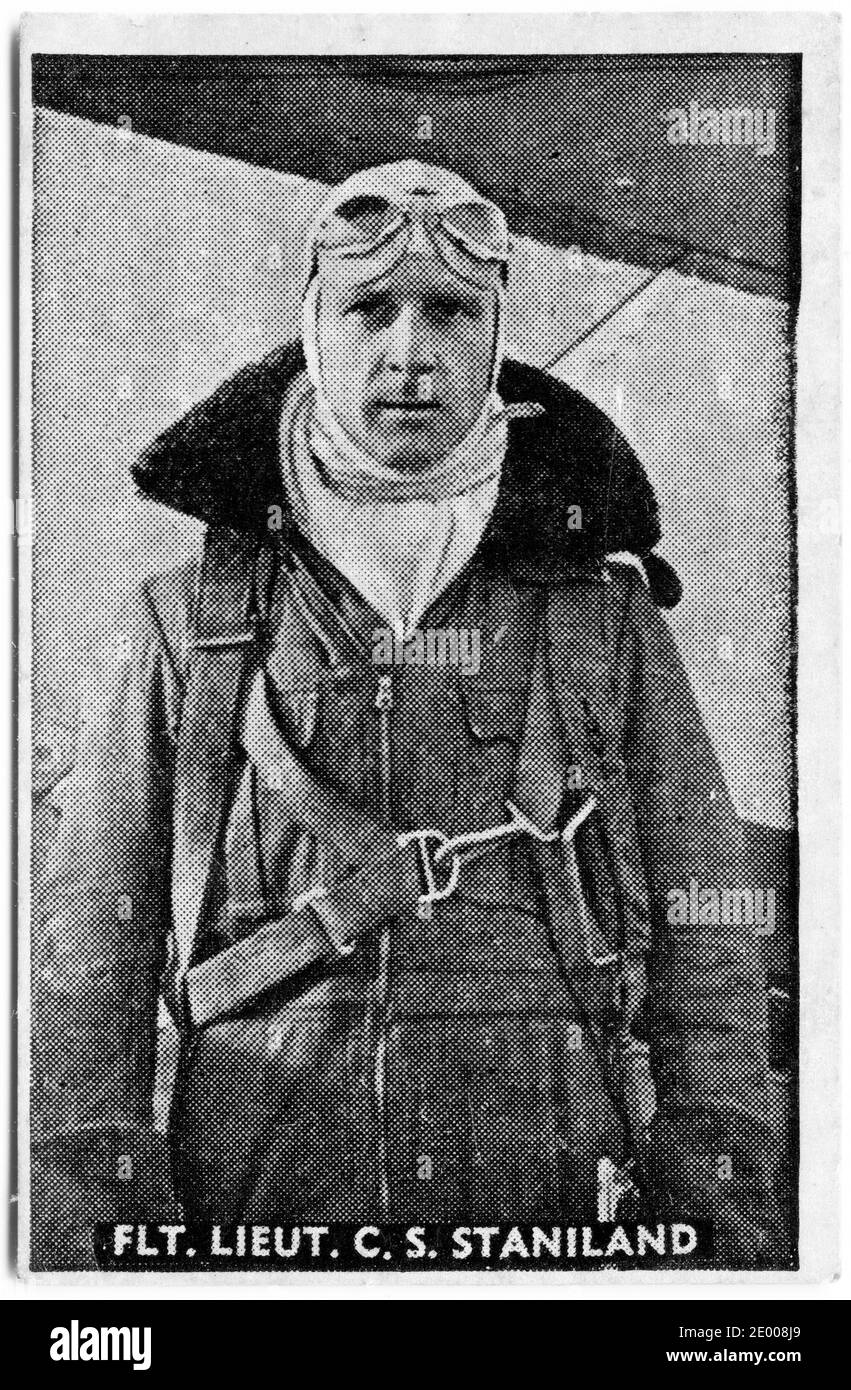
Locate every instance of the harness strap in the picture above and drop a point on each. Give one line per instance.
(223, 643)
(588, 669)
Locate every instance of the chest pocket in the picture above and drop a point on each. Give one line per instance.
(494, 718)
(494, 713)
(495, 700)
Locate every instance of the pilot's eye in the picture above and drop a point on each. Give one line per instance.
(450, 307)
(369, 306)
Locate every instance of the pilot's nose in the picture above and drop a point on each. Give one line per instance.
(410, 349)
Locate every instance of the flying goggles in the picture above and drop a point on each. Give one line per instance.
(372, 228)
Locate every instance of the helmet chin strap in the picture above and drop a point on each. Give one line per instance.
(492, 407)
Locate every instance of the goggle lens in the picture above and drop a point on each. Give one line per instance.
(479, 227)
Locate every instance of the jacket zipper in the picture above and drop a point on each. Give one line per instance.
(384, 704)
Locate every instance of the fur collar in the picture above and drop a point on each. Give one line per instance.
(219, 463)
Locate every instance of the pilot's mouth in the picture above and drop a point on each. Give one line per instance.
(413, 406)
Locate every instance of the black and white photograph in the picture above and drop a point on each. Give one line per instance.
(420, 652)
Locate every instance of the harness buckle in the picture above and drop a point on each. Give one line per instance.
(448, 848)
(434, 892)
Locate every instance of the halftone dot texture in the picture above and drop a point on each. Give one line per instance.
(166, 257)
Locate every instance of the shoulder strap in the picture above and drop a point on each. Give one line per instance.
(590, 674)
(590, 670)
(223, 645)
(579, 673)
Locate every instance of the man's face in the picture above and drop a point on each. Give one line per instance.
(406, 360)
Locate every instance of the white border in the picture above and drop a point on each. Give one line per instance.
(818, 400)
